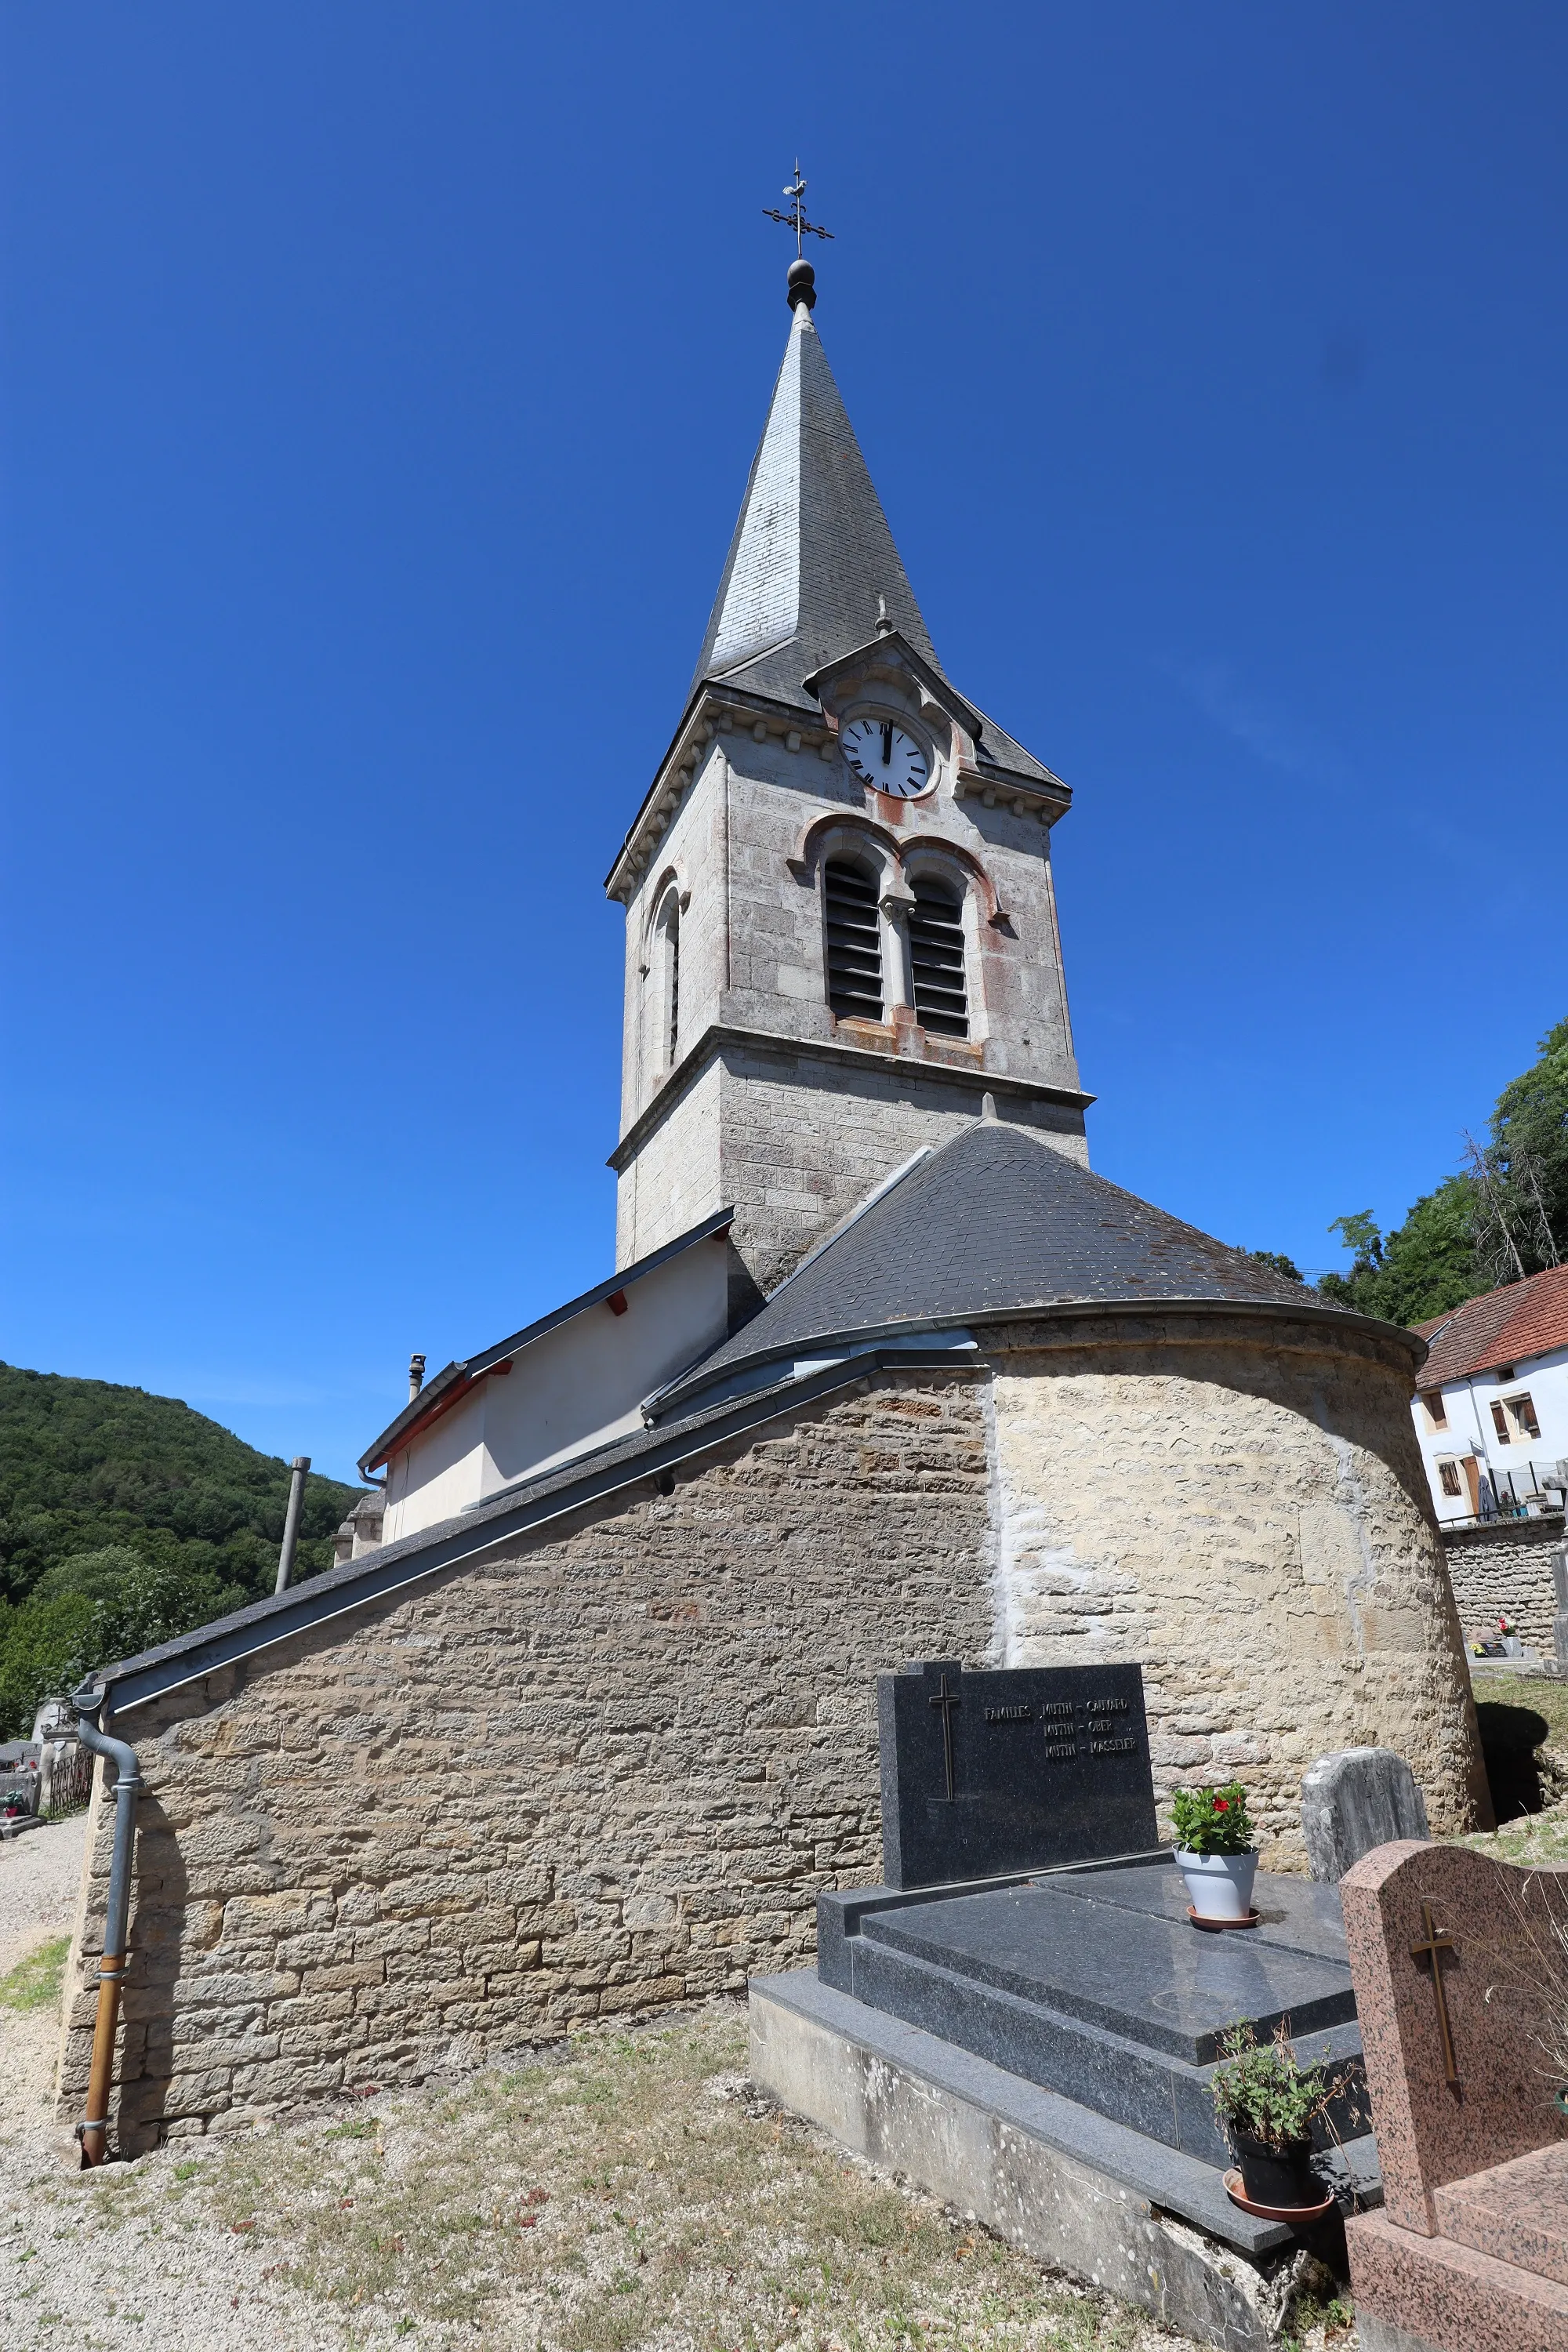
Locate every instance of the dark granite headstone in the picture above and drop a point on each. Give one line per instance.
(987, 1773)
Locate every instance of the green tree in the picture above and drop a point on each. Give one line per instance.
(1280, 1264)
(124, 1519)
(1423, 1268)
(1528, 1150)
(1507, 1213)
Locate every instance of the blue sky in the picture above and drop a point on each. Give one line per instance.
(379, 385)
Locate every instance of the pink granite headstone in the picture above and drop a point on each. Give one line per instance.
(1452, 1956)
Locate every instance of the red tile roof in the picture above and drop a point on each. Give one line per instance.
(1504, 1327)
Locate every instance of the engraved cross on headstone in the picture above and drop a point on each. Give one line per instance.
(1436, 1943)
(947, 1700)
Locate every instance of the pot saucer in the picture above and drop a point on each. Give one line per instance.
(1297, 2213)
(1213, 1926)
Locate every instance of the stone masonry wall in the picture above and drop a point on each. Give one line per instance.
(802, 1144)
(1242, 1508)
(588, 1777)
(1506, 1570)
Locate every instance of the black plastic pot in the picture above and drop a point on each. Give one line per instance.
(1270, 2178)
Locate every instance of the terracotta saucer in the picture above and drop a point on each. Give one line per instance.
(1214, 1926)
(1297, 2213)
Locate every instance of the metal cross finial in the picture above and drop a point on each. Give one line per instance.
(1438, 1942)
(795, 217)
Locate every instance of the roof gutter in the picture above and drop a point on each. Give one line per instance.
(395, 1568)
(684, 1394)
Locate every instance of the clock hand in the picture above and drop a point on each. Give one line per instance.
(887, 741)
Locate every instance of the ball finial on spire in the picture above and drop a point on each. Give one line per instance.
(802, 285)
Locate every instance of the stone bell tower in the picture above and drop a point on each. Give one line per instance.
(841, 929)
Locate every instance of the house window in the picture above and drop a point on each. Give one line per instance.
(1524, 1414)
(1437, 1410)
(1448, 1477)
(937, 959)
(854, 941)
(1499, 1422)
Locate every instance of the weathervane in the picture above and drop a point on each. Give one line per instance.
(795, 217)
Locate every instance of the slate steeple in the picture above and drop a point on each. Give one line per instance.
(812, 552)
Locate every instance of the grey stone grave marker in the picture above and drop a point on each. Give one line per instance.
(983, 1773)
(1355, 1800)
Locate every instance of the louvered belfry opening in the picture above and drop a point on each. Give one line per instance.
(854, 942)
(936, 957)
(669, 927)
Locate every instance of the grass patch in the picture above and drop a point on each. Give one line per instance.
(34, 1983)
(625, 2192)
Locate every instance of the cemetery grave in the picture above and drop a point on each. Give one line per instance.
(1461, 1966)
(1024, 2017)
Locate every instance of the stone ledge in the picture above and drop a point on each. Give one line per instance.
(1138, 2221)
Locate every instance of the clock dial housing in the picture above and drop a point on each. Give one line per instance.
(887, 757)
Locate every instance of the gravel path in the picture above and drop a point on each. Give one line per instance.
(40, 1874)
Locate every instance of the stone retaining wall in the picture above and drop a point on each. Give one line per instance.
(1505, 1569)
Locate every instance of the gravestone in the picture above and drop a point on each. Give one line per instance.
(1355, 1800)
(984, 1773)
(1455, 1959)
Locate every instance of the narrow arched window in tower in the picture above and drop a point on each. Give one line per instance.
(854, 941)
(669, 1011)
(936, 957)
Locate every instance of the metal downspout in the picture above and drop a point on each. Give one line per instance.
(93, 2129)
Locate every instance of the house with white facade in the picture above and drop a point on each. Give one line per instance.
(1491, 1401)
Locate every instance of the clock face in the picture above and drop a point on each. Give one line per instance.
(883, 756)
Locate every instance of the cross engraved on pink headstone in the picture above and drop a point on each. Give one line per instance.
(1436, 1945)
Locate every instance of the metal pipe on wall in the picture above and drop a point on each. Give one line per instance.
(298, 1468)
(93, 2129)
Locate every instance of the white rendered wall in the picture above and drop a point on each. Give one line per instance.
(434, 1477)
(575, 1387)
(1471, 1430)
(582, 1382)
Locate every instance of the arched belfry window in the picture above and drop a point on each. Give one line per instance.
(854, 940)
(937, 959)
(667, 1011)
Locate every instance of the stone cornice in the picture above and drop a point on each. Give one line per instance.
(977, 1082)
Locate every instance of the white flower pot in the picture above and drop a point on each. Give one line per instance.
(1219, 1886)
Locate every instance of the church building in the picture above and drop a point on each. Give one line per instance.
(882, 1371)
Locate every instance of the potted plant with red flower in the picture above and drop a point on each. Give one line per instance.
(1215, 1851)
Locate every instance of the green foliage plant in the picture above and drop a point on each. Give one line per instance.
(1213, 1821)
(124, 1519)
(1452, 1244)
(1264, 2093)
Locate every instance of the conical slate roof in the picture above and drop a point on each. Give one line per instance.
(995, 1222)
(811, 550)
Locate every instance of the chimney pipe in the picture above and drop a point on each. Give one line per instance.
(298, 1468)
(415, 1376)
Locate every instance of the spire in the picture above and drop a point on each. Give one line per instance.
(812, 563)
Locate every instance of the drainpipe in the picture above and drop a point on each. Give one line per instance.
(93, 2130)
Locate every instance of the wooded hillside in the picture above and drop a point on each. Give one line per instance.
(125, 1518)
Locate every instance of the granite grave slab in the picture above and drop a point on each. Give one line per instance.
(988, 1773)
(1093, 1983)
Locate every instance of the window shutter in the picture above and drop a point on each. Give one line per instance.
(854, 942)
(936, 955)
